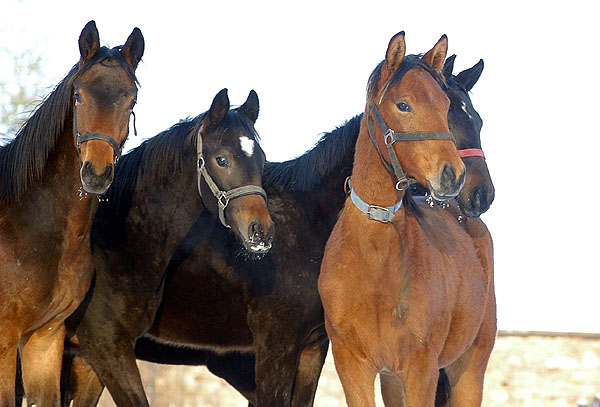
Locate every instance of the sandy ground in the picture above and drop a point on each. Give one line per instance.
(523, 371)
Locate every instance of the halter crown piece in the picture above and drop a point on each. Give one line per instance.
(385, 214)
(223, 197)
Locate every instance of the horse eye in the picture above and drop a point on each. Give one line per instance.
(404, 107)
(133, 102)
(77, 97)
(222, 162)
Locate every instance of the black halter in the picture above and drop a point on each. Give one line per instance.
(96, 135)
(390, 137)
(223, 197)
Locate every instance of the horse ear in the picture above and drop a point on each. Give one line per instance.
(448, 67)
(469, 77)
(435, 56)
(394, 55)
(250, 107)
(89, 41)
(218, 109)
(134, 48)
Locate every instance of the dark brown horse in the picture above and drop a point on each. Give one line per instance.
(286, 328)
(465, 124)
(406, 289)
(210, 165)
(64, 151)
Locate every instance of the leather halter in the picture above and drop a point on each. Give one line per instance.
(390, 137)
(385, 214)
(471, 152)
(223, 197)
(96, 135)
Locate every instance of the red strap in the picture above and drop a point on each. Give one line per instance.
(471, 152)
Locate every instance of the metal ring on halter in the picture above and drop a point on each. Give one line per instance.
(222, 199)
(388, 137)
(402, 185)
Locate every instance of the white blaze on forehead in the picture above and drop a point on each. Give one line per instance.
(247, 145)
(464, 108)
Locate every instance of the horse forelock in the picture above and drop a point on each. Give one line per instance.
(409, 62)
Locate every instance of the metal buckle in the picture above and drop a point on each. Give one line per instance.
(379, 213)
(200, 160)
(222, 199)
(388, 137)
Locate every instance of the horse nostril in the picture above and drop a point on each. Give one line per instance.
(255, 232)
(87, 166)
(108, 171)
(476, 198)
(448, 176)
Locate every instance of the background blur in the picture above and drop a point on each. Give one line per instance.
(309, 62)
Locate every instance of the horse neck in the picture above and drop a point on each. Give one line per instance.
(161, 214)
(58, 194)
(371, 181)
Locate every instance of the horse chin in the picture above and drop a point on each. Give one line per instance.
(257, 248)
(440, 197)
(91, 188)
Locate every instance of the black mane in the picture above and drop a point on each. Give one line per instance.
(23, 160)
(305, 172)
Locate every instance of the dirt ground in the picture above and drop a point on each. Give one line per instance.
(523, 371)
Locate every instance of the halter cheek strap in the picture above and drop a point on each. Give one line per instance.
(390, 137)
(223, 197)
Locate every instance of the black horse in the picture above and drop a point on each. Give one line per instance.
(148, 211)
(267, 314)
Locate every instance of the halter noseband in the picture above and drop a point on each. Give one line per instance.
(223, 197)
(96, 135)
(471, 152)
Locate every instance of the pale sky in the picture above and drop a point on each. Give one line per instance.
(309, 63)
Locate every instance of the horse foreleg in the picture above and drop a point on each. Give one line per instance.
(355, 373)
(466, 374)
(312, 358)
(41, 361)
(116, 365)
(8, 369)
(84, 387)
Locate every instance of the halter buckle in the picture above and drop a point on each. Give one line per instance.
(388, 137)
(222, 199)
(375, 212)
(200, 162)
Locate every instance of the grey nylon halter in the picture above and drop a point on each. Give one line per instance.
(385, 214)
(96, 135)
(223, 197)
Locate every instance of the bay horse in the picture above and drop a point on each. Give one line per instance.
(51, 171)
(406, 290)
(209, 165)
(271, 347)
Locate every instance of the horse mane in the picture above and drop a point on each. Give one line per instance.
(305, 172)
(22, 161)
(157, 160)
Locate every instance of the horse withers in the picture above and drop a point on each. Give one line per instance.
(406, 289)
(64, 153)
(208, 171)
